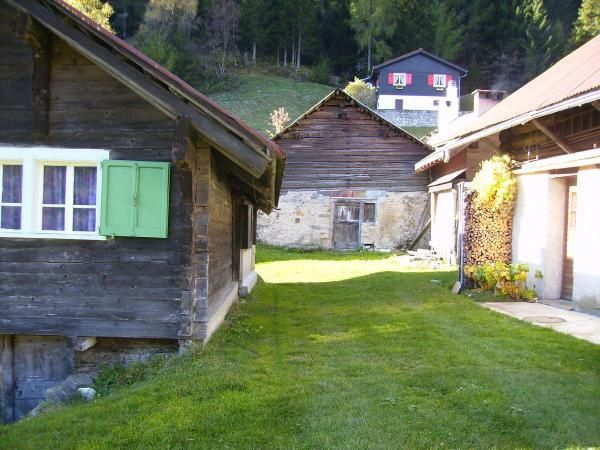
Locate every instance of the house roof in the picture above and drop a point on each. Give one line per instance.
(172, 95)
(366, 109)
(571, 82)
(422, 52)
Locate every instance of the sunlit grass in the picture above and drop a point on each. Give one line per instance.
(358, 353)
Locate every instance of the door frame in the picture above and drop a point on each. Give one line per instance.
(360, 202)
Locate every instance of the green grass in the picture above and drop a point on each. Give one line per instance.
(259, 95)
(348, 351)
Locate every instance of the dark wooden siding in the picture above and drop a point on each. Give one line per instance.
(420, 66)
(122, 287)
(220, 233)
(341, 147)
(16, 71)
(578, 127)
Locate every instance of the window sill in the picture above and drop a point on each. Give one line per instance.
(39, 235)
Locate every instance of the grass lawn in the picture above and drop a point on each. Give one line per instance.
(259, 95)
(348, 351)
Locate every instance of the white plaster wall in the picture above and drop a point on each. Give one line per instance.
(414, 102)
(586, 282)
(538, 226)
(443, 236)
(305, 220)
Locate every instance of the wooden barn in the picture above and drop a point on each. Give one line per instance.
(127, 203)
(551, 128)
(349, 181)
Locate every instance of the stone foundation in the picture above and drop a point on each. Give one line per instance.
(410, 118)
(305, 219)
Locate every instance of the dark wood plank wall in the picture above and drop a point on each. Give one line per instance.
(340, 147)
(122, 287)
(578, 127)
(16, 72)
(220, 233)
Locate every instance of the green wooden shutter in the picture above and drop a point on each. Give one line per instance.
(152, 200)
(135, 199)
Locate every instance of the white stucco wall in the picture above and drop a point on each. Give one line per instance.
(538, 227)
(586, 281)
(305, 219)
(443, 236)
(413, 102)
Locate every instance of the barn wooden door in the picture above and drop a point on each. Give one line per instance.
(346, 226)
(571, 222)
(38, 363)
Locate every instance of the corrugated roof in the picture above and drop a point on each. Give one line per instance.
(575, 75)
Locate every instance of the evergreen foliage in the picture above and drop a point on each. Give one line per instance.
(503, 44)
(587, 25)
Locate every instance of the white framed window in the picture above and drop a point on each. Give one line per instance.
(439, 80)
(400, 79)
(50, 192)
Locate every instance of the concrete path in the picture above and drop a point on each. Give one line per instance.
(582, 326)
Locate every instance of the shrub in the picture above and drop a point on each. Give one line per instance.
(495, 184)
(503, 279)
(363, 92)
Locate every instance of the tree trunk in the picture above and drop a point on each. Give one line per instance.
(299, 48)
(254, 54)
(293, 60)
(370, 44)
(285, 58)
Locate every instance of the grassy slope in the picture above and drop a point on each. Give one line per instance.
(259, 95)
(349, 351)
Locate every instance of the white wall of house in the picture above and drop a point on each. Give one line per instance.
(443, 224)
(538, 235)
(304, 219)
(586, 282)
(411, 102)
(538, 229)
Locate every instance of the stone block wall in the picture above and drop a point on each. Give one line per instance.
(410, 118)
(305, 219)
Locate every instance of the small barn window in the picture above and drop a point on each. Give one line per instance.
(368, 212)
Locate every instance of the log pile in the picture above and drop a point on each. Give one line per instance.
(487, 234)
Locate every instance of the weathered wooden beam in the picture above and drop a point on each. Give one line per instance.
(225, 142)
(40, 41)
(182, 149)
(8, 378)
(558, 141)
(596, 105)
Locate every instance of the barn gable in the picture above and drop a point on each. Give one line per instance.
(342, 144)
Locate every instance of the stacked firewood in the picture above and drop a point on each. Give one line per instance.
(487, 234)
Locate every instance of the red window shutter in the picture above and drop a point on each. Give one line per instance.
(448, 79)
(430, 79)
(390, 78)
(409, 78)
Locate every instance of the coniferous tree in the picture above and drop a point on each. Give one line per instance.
(587, 24)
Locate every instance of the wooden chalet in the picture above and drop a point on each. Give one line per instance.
(127, 203)
(349, 181)
(551, 127)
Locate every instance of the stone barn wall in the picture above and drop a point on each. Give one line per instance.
(304, 219)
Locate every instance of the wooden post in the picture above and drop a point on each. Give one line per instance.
(7, 382)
